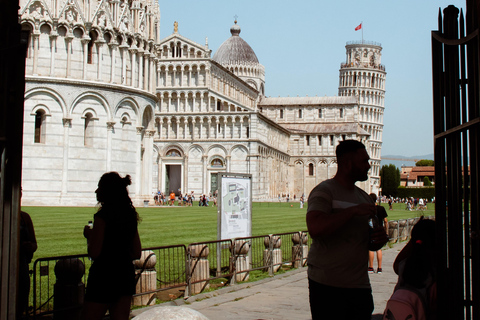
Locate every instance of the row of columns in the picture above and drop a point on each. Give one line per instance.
(167, 78)
(168, 103)
(146, 70)
(371, 114)
(362, 79)
(213, 128)
(374, 130)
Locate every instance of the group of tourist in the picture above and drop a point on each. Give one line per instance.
(185, 200)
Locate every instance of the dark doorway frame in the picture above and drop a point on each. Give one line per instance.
(456, 97)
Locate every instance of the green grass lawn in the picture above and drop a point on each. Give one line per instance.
(59, 230)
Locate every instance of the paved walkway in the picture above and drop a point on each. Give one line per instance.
(281, 297)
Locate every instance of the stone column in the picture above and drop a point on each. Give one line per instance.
(147, 162)
(205, 172)
(113, 46)
(146, 71)
(85, 42)
(241, 128)
(110, 128)
(53, 44)
(138, 166)
(169, 124)
(68, 39)
(209, 124)
(140, 69)
(99, 44)
(123, 50)
(35, 44)
(228, 162)
(133, 51)
(67, 124)
(185, 174)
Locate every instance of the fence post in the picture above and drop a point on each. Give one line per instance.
(69, 290)
(241, 260)
(146, 278)
(199, 268)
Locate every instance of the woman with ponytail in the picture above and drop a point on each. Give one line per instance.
(113, 243)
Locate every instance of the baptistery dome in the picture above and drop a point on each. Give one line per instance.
(235, 50)
(236, 55)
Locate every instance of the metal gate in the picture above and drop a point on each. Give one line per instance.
(456, 62)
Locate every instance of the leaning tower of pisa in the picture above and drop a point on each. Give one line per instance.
(363, 76)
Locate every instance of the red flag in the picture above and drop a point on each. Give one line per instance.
(358, 27)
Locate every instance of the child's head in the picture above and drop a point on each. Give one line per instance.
(424, 230)
(420, 265)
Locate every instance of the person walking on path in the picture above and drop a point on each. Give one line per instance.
(113, 243)
(382, 219)
(337, 220)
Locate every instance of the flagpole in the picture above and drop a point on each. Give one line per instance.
(362, 30)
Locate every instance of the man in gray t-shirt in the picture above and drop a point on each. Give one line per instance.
(337, 221)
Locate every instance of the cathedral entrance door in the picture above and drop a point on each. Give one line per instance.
(213, 183)
(173, 178)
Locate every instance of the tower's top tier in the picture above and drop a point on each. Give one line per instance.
(364, 54)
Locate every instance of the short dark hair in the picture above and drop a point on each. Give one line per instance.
(348, 146)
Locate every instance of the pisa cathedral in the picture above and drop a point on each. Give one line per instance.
(104, 92)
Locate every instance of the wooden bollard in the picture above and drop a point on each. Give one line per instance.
(199, 267)
(69, 290)
(275, 256)
(242, 261)
(299, 249)
(147, 280)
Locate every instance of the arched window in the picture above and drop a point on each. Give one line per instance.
(310, 169)
(299, 113)
(320, 113)
(281, 113)
(174, 153)
(341, 112)
(216, 163)
(88, 130)
(40, 126)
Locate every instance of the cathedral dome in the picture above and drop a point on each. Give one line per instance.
(235, 50)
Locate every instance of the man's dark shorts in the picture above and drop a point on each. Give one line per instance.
(328, 302)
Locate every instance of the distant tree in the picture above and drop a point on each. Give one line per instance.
(390, 180)
(425, 163)
(427, 182)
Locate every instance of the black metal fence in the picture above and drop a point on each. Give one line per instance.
(179, 270)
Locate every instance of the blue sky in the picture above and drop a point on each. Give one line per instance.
(302, 44)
